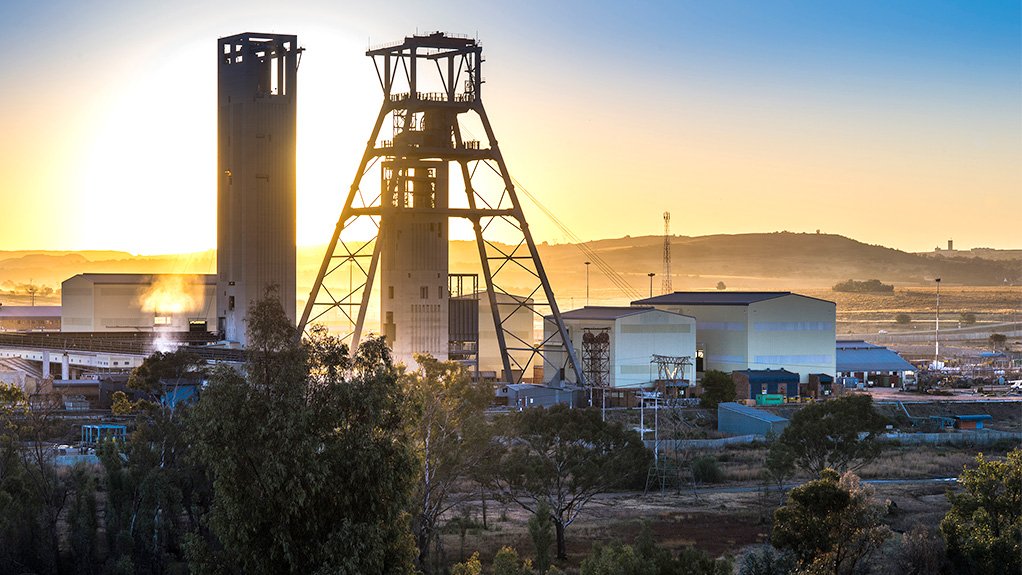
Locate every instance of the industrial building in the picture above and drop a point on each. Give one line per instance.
(758, 330)
(737, 419)
(617, 345)
(29, 317)
(256, 128)
(860, 362)
(752, 383)
(137, 303)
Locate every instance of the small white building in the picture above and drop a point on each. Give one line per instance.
(633, 335)
(759, 330)
(138, 302)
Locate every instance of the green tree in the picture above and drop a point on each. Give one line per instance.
(451, 438)
(82, 521)
(156, 492)
(309, 455)
(541, 531)
(470, 566)
(903, 319)
(839, 434)
(967, 317)
(766, 561)
(563, 457)
(507, 562)
(983, 529)
(721, 286)
(718, 387)
(998, 340)
(616, 560)
(706, 470)
(779, 465)
(831, 524)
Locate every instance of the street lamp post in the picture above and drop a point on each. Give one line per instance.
(936, 329)
(651, 274)
(587, 282)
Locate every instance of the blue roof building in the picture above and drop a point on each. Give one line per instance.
(873, 364)
(738, 419)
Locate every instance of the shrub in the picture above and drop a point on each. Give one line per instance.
(706, 470)
(903, 318)
(868, 286)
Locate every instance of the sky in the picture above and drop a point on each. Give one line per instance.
(894, 123)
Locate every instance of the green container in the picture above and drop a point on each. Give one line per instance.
(769, 399)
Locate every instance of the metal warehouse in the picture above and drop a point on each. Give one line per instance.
(759, 330)
(738, 419)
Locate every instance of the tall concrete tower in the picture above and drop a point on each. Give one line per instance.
(256, 104)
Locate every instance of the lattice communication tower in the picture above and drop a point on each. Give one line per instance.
(432, 96)
(665, 282)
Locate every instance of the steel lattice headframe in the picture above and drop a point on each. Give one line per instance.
(431, 126)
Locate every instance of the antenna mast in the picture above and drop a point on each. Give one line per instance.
(665, 281)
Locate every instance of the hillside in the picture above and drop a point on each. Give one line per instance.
(780, 260)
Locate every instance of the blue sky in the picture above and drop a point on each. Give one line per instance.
(897, 123)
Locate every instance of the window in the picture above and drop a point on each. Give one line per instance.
(390, 292)
(424, 292)
(440, 292)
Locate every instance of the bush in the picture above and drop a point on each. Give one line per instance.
(868, 286)
(470, 566)
(706, 470)
(765, 560)
(903, 318)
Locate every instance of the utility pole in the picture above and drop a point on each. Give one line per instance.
(587, 282)
(936, 330)
(651, 274)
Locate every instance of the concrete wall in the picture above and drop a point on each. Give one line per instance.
(722, 333)
(795, 333)
(136, 302)
(637, 337)
(518, 321)
(792, 332)
(634, 339)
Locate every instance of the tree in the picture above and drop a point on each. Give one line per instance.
(997, 340)
(903, 319)
(718, 387)
(507, 562)
(831, 524)
(780, 465)
(967, 317)
(721, 286)
(868, 286)
(563, 457)
(840, 434)
(451, 437)
(309, 456)
(983, 529)
(541, 531)
(646, 558)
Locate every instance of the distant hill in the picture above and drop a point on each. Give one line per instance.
(781, 260)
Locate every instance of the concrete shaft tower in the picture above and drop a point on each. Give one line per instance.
(432, 89)
(414, 302)
(256, 99)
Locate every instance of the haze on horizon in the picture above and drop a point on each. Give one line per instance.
(892, 123)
